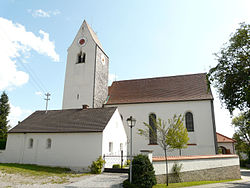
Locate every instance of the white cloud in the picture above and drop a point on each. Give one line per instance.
(42, 13)
(16, 44)
(112, 77)
(17, 114)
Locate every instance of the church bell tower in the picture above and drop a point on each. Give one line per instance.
(86, 78)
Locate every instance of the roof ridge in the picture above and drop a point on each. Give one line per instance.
(75, 109)
(159, 77)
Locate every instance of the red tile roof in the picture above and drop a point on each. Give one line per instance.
(160, 89)
(175, 158)
(222, 138)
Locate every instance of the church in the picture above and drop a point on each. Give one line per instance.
(93, 115)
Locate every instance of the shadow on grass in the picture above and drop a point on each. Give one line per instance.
(35, 168)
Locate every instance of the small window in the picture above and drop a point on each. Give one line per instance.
(121, 146)
(110, 147)
(81, 57)
(189, 122)
(31, 143)
(153, 130)
(48, 144)
(77, 96)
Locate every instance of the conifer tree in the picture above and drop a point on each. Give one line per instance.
(4, 112)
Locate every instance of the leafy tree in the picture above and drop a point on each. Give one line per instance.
(4, 112)
(177, 136)
(231, 76)
(165, 135)
(242, 134)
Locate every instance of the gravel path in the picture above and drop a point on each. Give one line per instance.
(113, 180)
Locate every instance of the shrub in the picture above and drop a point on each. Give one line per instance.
(116, 166)
(176, 170)
(128, 162)
(2, 144)
(127, 184)
(143, 174)
(96, 166)
(243, 162)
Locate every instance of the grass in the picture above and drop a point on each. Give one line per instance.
(187, 184)
(43, 173)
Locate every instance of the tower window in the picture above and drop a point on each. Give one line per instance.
(81, 57)
(77, 96)
(189, 122)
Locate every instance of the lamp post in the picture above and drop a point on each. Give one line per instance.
(131, 123)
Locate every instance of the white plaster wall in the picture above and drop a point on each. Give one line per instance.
(74, 150)
(195, 164)
(114, 132)
(203, 134)
(79, 78)
(228, 145)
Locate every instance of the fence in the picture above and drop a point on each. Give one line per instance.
(110, 160)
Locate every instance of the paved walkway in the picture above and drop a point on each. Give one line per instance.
(104, 180)
(244, 182)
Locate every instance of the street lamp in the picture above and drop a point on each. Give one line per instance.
(131, 123)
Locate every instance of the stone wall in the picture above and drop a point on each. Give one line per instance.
(198, 168)
(221, 173)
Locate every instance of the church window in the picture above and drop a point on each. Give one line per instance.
(81, 57)
(48, 143)
(31, 143)
(110, 147)
(77, 96)
(152, 130)
(189, 122)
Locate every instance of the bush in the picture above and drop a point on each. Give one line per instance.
(243, 162)
(2, 144)
(128, 162)
(176, 170)
(116, 166)
(96, 166)
(143, 174)
(127, 184)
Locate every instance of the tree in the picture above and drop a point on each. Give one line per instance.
(242, 134)
(231, 75)
(177, 136)
(165, 135)
(4, 112)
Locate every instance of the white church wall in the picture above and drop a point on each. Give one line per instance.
(79, 78)
(73, 150)
(115, 133)
(201, 140)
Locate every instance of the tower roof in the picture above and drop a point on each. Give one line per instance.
(93, 34)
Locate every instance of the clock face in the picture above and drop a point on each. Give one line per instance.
(103, 60)
(82, 41)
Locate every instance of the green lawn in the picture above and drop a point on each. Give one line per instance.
(43, 173)
(187, 184)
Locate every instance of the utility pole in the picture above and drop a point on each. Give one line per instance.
(47, 100)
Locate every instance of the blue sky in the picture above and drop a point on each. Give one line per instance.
(142, 39)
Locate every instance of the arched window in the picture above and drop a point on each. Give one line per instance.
(189, 122)
(81, 57)
(153, 130)
(31, 143)
(48, 144)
